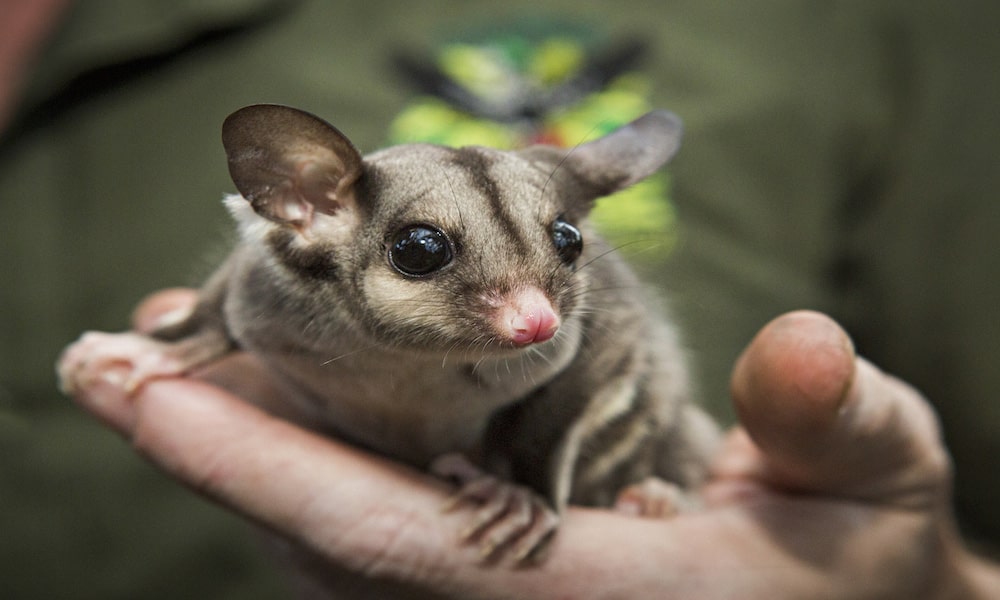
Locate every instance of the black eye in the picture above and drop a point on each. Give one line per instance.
(567, 240)
(418, 250)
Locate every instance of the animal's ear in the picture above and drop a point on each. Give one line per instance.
(628, 154)
(290, 164)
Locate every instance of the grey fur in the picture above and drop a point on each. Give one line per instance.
(410, 367)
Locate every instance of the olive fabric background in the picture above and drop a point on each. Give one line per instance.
(839, 156)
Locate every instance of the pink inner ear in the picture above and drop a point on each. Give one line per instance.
(289, 163)
(318, 184)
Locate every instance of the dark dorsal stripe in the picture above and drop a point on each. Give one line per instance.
(479, 168)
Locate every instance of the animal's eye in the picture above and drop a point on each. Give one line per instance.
(567, 240)
(419, 250)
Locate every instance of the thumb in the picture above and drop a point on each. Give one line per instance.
(163, 308)
(827, 421)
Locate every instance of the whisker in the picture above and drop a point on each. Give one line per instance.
(348, 354)
(609, 251)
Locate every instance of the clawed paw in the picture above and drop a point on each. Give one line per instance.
(654, 498)
(96, 355)
(507, 519)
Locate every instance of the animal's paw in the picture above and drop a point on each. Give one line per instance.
(140, 358)
(654, 498)
(506, 519)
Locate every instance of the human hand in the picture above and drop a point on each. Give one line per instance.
(836, 485)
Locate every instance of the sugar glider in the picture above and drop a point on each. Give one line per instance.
(448, 308)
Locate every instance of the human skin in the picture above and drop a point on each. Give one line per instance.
(835, 484)
(23, 29)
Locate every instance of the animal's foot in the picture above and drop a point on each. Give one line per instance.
(654, 498)
(506, 519)
(99, 355)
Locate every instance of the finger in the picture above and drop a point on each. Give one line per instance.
(163, 308)
(373, 523)
(738, 472)
(828, 421)
(309, 487)
(104, 396)
(369, 517)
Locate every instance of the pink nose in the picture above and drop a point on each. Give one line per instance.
(528, 318)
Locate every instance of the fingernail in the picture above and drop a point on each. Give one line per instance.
(172, 317)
